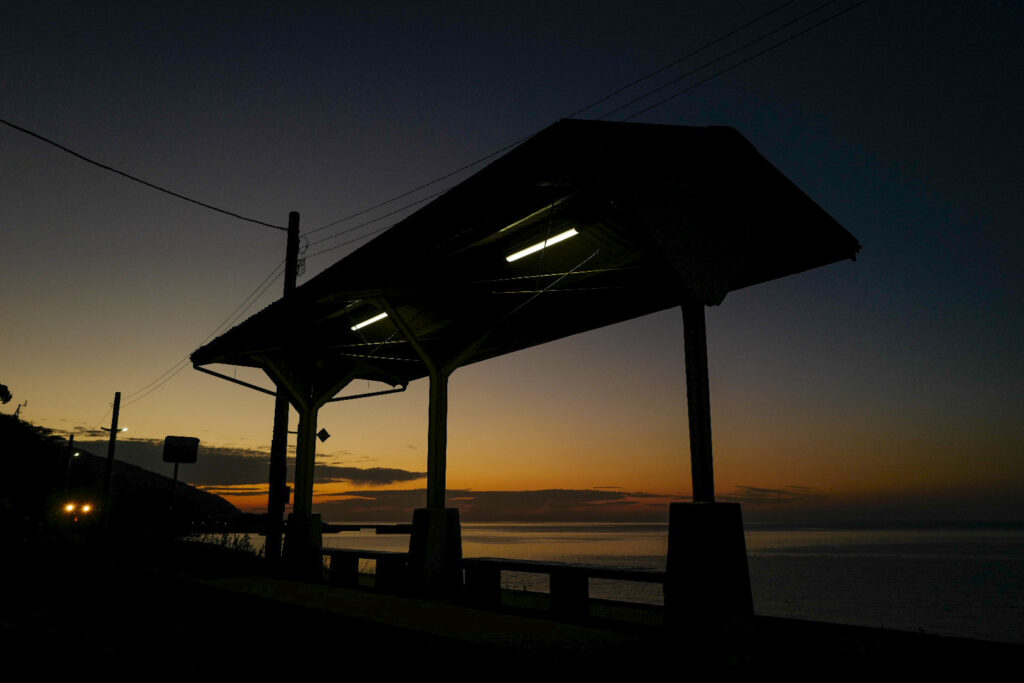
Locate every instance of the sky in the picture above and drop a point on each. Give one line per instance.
(886, 388)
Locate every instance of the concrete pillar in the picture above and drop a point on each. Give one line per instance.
(707, 578)
(303, 556)
(435, 552)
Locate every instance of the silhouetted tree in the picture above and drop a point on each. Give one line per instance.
(5, 394)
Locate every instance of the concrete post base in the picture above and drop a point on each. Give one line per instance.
(303, 545)
(435, 552)
(707, 576)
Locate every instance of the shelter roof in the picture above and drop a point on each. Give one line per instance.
(662, 214)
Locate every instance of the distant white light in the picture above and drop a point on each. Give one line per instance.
(540, 245)
(369, 321)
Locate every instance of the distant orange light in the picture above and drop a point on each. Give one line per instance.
(87, 508)
(70, 507)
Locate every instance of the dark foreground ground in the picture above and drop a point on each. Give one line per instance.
(185, 609)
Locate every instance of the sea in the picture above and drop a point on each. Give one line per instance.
(953, 580)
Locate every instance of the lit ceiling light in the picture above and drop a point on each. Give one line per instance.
(369, 321)
(541, 245)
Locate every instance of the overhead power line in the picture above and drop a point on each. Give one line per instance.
(232, 317)
(374, 220)
(743, 61)
(722, 57)
(351, 241)
(129, 176)
(682, 59)
(618, 91)
(421, 187)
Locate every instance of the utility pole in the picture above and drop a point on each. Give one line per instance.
(71, 456)
(108, 468)
(279, 441)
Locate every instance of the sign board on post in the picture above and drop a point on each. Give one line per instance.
(181, 449)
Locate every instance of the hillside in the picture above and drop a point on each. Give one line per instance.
(37, 482)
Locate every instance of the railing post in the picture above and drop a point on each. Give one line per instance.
(570, 595)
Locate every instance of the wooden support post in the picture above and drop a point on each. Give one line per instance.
(437, 411)
(698, 402)
(278, 477)
(435, 545)
(303, 543)
(108, 466)
(437, 439)
(706, 574)
(305, 460)
(303, 534)
(67, 473)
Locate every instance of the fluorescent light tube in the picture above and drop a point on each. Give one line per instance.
(540, 245)
(369, 321)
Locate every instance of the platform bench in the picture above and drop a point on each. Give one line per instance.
(344, 571)
(570, 591)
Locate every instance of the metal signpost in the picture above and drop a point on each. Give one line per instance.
(179, 449)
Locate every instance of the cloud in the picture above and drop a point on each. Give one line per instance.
(339, 454)
(348, 495)
(370, 476)
(237, 466)
(236, 490)
(788, 495)
(342, 458)
(547, 505)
